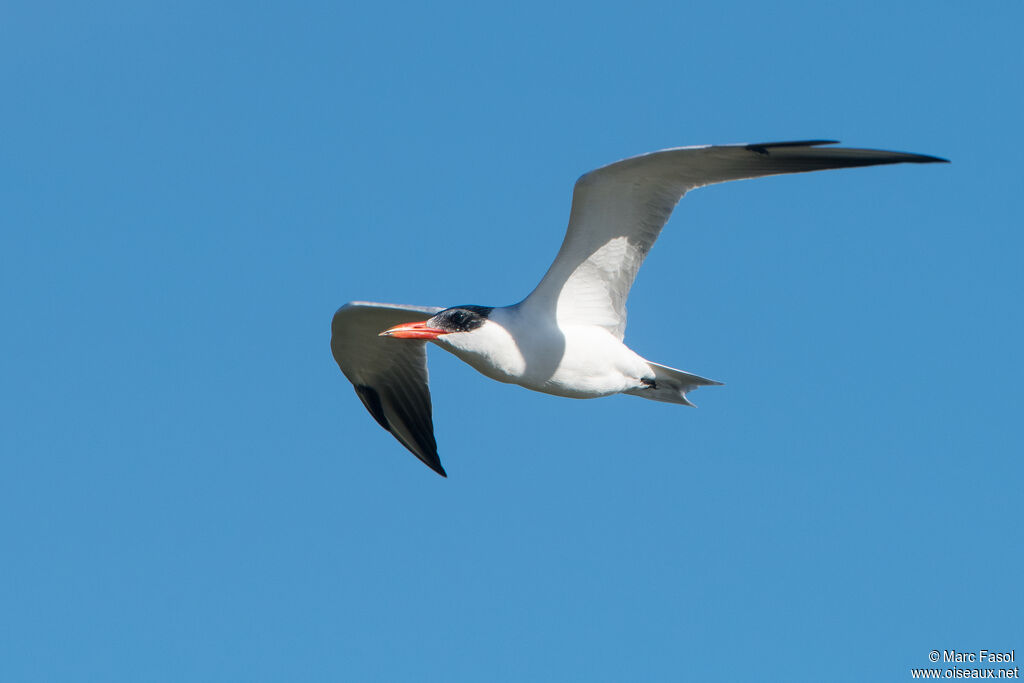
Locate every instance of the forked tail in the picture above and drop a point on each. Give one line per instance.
(671, 385)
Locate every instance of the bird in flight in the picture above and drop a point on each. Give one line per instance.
(565, 338)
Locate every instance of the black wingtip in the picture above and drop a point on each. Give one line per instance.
(763, 147)
(909, 157)
(430, 458)
(927, 159)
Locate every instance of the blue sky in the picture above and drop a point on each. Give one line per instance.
(191, 491)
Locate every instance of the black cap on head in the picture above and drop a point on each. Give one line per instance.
(461, 318)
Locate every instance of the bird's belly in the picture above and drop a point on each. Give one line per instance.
(582, 380)
(582, 363)
(575, 387)
(570, 382)
(576, 362)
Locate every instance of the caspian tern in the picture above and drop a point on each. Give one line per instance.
(565, 338)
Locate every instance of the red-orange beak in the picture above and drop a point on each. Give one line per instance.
(413, 331)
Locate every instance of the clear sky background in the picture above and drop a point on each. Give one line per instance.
(191, 491)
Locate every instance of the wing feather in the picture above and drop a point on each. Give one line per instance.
(389, 375)
(618, 212)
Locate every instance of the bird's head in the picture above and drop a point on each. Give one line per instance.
(448, 321)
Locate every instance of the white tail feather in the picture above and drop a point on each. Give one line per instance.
(671, 385)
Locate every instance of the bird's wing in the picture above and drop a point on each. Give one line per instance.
(618, 211)
(390, 376)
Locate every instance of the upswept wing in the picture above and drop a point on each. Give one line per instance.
(389, 375)
(618, 211)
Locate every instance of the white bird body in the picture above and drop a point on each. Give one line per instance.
(566, 337)
(575, 361)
